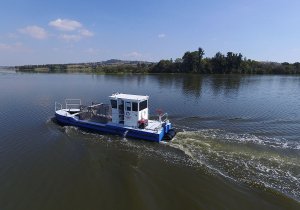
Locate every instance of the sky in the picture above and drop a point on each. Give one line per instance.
(65, 31)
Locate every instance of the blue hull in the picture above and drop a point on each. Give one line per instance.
(116, 130)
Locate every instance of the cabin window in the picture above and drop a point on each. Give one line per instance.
(134, 106)
(114, 104)
(143, 105)
(128, 106)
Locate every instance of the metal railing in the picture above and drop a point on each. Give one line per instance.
(163, 117)
(73, 103)
(69, 104)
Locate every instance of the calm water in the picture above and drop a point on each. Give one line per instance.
(238, 145)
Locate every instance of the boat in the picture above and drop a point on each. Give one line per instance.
(126, 115)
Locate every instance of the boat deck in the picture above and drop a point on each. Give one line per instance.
(94, 118)
(153, 125)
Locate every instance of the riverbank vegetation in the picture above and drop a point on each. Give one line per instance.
(107, 67)
(190, 62)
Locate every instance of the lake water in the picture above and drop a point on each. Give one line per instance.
(237, 146)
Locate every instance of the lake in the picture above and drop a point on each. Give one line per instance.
(237, 145)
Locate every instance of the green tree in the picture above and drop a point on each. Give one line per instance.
(192, 61)
(200, 64)
(218, 63)
(163, 66)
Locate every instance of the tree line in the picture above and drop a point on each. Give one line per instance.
(231, 63)
(191, 62)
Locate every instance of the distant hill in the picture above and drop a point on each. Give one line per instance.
(109, 66)
(108, 62)
(122, 62)
(7, 67)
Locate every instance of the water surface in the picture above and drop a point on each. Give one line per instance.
(238, 144)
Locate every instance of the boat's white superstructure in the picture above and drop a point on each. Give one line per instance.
(126, 114)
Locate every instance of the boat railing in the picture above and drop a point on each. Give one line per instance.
(73, 103)
(163, 117)
(58, 106)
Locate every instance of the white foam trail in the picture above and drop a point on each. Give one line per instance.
(226, 154)
(248, 138)
(230, 155)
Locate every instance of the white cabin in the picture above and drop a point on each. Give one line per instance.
(129, 110)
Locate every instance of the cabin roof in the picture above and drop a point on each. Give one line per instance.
(129, 97)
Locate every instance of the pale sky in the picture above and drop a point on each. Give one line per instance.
(61, 31)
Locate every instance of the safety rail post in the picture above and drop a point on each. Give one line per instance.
(160, 117)
(56, 105)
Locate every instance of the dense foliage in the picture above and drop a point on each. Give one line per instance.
(87, 68)
(191, 62)
(194, 62)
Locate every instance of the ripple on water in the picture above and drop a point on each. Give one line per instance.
(247, 158)
(256, 161)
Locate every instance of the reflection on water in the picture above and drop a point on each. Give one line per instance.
(237, 146)
(190, 84)
(227, 85)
